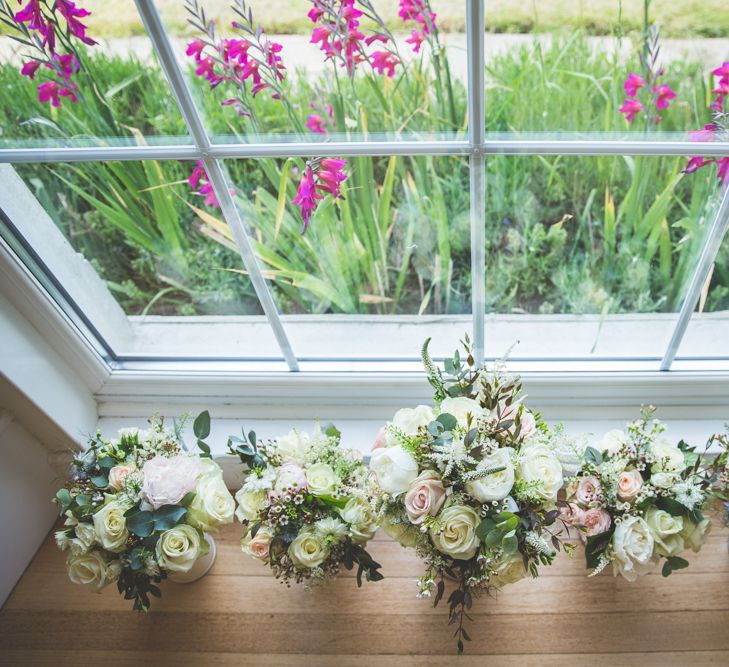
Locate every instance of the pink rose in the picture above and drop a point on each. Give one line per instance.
(588, 490)
(597, 521)
(527, 423)
(425, 496)
(258, 546)
(572, 515)
(290, 477)
(380, 439)
(168, 480)
(629, 484)
(118, 474)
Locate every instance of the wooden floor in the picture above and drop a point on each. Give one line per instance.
(239, 615)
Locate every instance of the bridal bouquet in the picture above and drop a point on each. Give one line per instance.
(306, 506)
(471, 484)
(639, 499)
(137, 507)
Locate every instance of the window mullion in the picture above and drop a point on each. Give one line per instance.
(221, 187)
(706, 259)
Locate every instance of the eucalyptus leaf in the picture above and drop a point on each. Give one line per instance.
(201, 425)
(141, 523)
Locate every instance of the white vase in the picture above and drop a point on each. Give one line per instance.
(200, 568)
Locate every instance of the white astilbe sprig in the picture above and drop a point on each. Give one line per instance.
(539, 544)
(482, 470)
(451, 456)
(602, 563)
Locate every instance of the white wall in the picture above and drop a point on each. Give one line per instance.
(27, 484)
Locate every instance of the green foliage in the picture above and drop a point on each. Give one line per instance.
(144, 523)
(673, 563)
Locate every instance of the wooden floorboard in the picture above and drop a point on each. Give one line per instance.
(240, 615)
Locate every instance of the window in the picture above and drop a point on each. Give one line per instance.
(324, 194)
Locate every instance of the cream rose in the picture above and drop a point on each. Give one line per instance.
(540, 466)
(118, 474)
(290, 478)
(402, 532)
(168, 480)
(111, 527)
(409, 420)
(455, 533)
(394, 468)
(497, 485)
(694, 534)
(666, 530)
(612, 442)
(321, 479)
(596, 521)
(259, 546)
(588, 489)
(90, 569)
(633, 548)
(629, 485)
(461, 408)
(361, 519)
(249, 503)
(85, 536)
(508, 571)
(178, 548)
(425, 496)
(212, 506)
(293, 446)
(668, 465)
(307, 550)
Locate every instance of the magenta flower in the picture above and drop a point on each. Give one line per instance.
(415, 40)
(722, 71)
(417, 10)
(307, 196)
(708, 133)
(633, 83)
(664, 95)
(695, 163)
(50, 91)
(723, 172)
(316, 124)
(71, 13)
(331, 176)
(315, 13)
(195, 49)
(384, 62)
(32, 15)
(630, 108)
(199, 182)
(29, 69)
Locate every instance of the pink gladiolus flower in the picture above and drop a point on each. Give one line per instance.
(71, 13)
(307, 196)
(415, 10)
(50, 91)
(32, 15)
(315, 13)
(723, 173)
(416, 40)
(708, 133)
(29, 69)
(632, 84)
(316, 124)
(195, 49)
(722, 71)
(664, 96)
(630, 108)
(695, 163)
(66, 65)
(200, 183)
(378, 37)
(383, 62)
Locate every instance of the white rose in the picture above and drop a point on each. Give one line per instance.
(394, 468)
(408, 420)
(694, 534)
(540, 466)
(361, 519)
(461, 407)
(402, 532)
(178, 548)
(307, 550)
(208, 468)
(249, 503)
(168, 480)
(455, 532)
(212, 505)
(111, 527)
(633, 548)
(90, 569)
(294, 446)
(508, 571)
(321, 479)
(612, 442)
(85, 537)
(669, 464)
(497, 485)
(666, 530)
(570, 453)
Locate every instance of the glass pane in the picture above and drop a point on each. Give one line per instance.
(83, 75)
(180, 285)
(330, 69)
(589, 257)
(610, 68)
(375, 271)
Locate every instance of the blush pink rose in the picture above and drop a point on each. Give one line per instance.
(380, 439)
(290, 477)
(597, 521)
(118, 474)
(168, 479)
(588, 490)
(527, 423)
(572, 515)
(258, 546)
(425, 496)
(629, 484)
